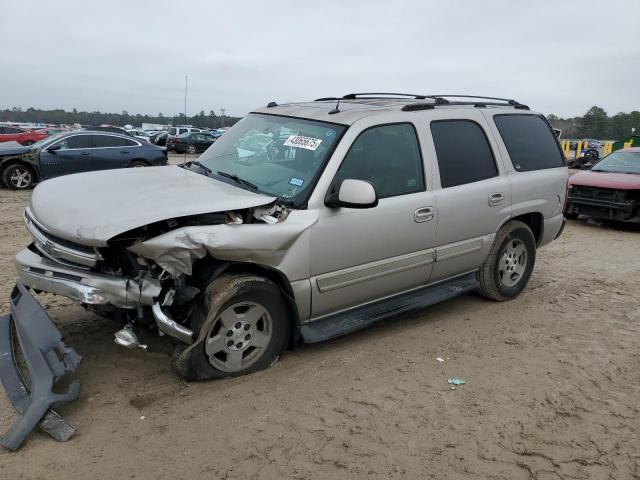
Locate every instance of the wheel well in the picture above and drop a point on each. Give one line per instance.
(139, 160)
(8, 163)
(535, 222)
(208, 268)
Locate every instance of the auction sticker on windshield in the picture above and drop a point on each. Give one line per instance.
(302, 142)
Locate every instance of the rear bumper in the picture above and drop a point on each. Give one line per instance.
(84, 286)
(47, 359)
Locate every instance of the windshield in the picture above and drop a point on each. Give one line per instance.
(281, 156)
(619, 162)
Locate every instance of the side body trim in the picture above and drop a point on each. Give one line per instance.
(369, 271)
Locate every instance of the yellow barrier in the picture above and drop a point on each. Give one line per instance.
(627, 145)
(579, 149)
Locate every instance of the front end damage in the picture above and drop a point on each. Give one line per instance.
(147, 277)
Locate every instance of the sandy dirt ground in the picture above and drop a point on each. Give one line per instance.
(553, 382)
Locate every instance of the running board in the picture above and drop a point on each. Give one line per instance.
(361, 317)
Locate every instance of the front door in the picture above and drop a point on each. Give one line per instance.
(360, 255)
(74, 155)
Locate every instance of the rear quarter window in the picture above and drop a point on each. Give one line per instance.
(530, 142)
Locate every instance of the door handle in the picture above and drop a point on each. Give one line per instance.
(125, 151)
(85, 153)
(423, 214)
(496, 199)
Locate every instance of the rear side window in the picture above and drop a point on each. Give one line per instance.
(464, 154)
(529, 141)
(102, 141)
(172, 131)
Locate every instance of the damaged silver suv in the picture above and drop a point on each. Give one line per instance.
(303, 222)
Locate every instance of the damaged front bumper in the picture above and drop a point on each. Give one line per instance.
(47, 360)
(84, 286)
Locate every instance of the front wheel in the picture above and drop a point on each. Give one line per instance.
(28, 143)
(508, 267)
(18, 177)
(242, 324)
(191, 149)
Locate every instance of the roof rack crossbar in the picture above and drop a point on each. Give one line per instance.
(507, 100)
(353, 96)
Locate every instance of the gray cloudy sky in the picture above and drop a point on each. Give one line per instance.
(559, 56)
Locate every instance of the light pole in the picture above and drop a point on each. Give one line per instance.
(222, 110)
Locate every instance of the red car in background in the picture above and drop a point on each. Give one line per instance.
(23, 137)
(609, 190)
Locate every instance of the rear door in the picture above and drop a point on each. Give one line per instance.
(73, 156)
(473, 197)
(113, 151)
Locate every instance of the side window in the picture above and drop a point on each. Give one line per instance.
(172, 131)
(464, 154)
(530, 142)
(75, 141)
(182, 130)
(389, 157)
(13, 130)
(103, 141)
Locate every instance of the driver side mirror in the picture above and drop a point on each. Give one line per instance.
(353, 194)
(54, 148)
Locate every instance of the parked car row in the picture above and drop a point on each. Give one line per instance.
(74, 152)
(20, 135)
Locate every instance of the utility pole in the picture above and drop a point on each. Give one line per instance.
(222, 110)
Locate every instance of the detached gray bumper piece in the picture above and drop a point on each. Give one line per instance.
(47, 358)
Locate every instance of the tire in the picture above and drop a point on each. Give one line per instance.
(18, 176)
(191, 149)
(233, 312)
(506, 272)
(28, 143)
(571, 216)
(138, 164)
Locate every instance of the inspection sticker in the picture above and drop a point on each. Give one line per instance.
(296, 181)
(302, 142)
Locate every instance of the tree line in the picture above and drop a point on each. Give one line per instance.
(597, 124)
(593, 124)
(59, 116)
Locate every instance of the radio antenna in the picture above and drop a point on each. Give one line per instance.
(186, 87)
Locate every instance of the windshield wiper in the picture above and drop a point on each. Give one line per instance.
(237, 179)
(204, 168)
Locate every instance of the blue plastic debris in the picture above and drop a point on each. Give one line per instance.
(456, 381)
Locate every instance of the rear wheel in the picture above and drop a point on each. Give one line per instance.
(508, 267)
(242, 325)
(18, 176)
(28, 143)
(138, 163)
(191, 149)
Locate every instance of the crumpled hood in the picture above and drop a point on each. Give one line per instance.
(90, 208)
(621, 181)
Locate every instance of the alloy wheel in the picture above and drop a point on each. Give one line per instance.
(239, 337)
(20, 177)
(513, 262)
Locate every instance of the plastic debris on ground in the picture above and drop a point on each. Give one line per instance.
(456, 381)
